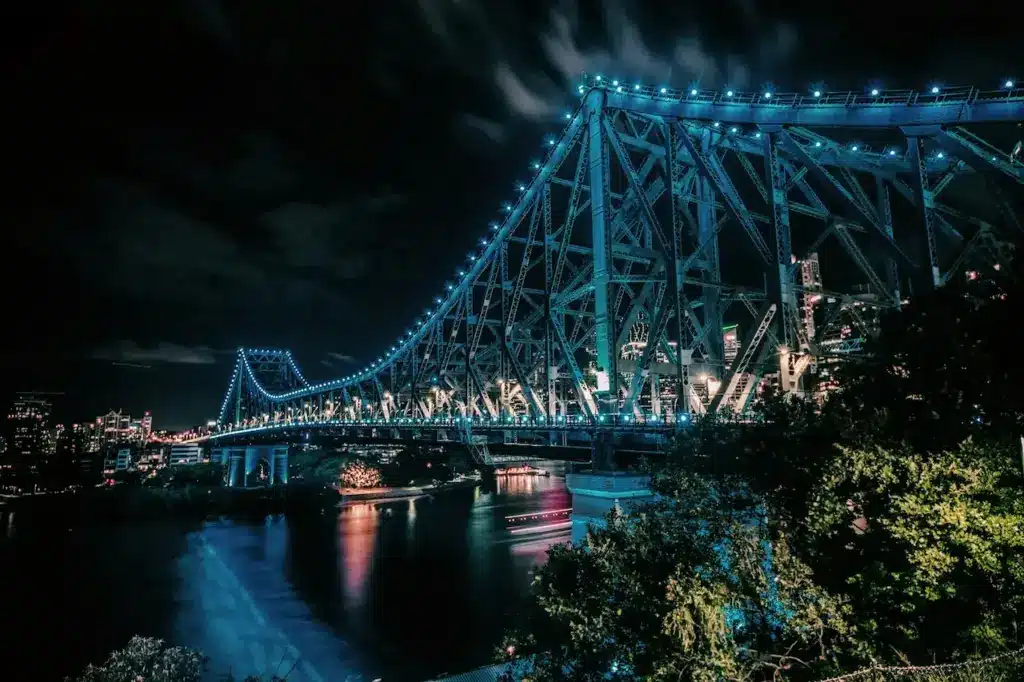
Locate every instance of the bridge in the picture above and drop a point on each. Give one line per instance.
(594, 308)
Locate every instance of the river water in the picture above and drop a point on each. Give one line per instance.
(402, 590)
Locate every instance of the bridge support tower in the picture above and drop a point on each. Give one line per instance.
(602, 488)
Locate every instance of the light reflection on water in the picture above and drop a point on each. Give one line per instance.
(402, 590)
(421, 586)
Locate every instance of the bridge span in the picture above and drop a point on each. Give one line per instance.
(597, 299)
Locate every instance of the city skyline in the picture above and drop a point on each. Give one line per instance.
(169, 235)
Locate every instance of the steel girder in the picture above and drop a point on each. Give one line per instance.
(661, 210)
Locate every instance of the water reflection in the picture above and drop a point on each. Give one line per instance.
(403, 590)
(357, 530)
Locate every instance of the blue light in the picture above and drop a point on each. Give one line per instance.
(734, 130)
(874, 92)
(892, 152)
(817, 93)
(767, 95)
(551, 143)
(940, 155)
(1008, 83)
(567, 116)
(580, 89)
(615, 82)
(693, 92)
(536, 166)
(817, 144)
(716, 124)
(636, 87)
(729, 93)
(618, 89)
(597, 78)
(935, 89)
(855, 147)
(757, 135)
(522, 188)
(664, 90)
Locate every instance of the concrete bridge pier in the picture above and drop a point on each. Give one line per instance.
(601, 487)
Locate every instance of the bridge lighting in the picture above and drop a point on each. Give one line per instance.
(935, 89)
(817, 144)
(664, 90)
(734, 130)
(693, 92)
(522, 188)
(615, 82)
(536, 166)
(618, 89)
(940, 155)
(483, 242)
(437, 299)
(567, 116)
(729, 93)
(874, 92)
(767, 95)
(636, 87)
(450, 287)
(506, 208)
(892, 152)
(580, 88)
(715, 124)
(1008, 84)
(817, 93)
(551, 143)
(854, 147)
(597, 78)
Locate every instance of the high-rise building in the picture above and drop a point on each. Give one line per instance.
(117, 428)
(28, 425)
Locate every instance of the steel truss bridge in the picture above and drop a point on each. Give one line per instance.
(595, 304)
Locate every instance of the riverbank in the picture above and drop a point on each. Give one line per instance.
(359, 495)
(189, 502)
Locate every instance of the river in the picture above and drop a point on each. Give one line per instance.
(402, 590)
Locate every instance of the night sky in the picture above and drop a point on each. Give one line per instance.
(188, 177)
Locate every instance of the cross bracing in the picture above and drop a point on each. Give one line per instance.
(674, 212)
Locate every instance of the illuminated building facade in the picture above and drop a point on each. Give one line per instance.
(28, 425)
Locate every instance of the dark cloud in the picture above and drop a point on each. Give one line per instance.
(130, 353)
(341, 357)
(534, 83)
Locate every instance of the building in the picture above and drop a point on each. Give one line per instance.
(183, 453)
(28, 425)
(116, 428)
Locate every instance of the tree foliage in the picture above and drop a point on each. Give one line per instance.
(697, 586)
(151, 660)
(147, 659)
(357, 474)
(893, 518)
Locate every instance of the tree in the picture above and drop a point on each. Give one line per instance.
(695, 586)
(147, 659)
(359, 475)
(938, 569)
(152, 660)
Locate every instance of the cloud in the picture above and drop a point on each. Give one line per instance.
(616, 45)
(131, 354)
(341, 357)
(151, 245)
(492, 130)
